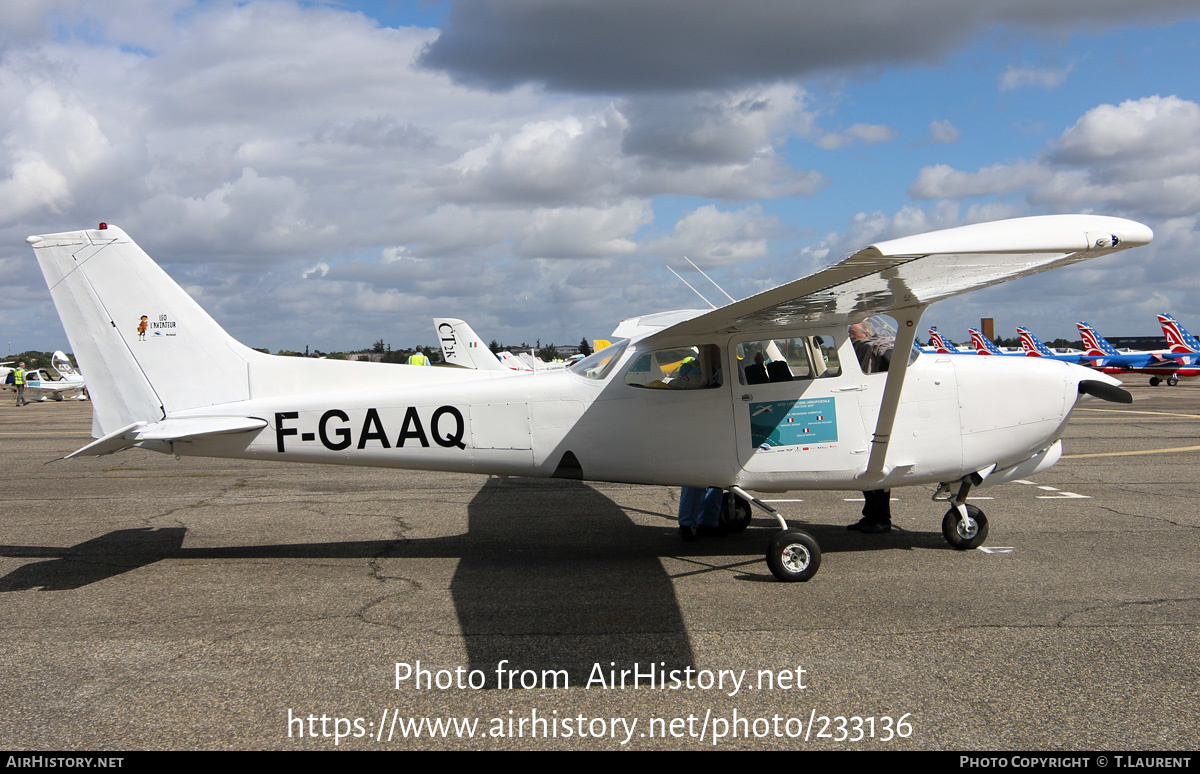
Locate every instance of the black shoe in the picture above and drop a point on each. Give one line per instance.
(876, 527)
(706, 531)
(688, 534)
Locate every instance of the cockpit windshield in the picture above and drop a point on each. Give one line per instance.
(598, 364)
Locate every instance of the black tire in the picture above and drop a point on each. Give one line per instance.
(1154, 381)
(1172, 380)
(735, 513)
(962, 539)
(793, 556)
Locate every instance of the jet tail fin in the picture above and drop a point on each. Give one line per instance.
(983, 345)
(1032, 345)
(939, 343)
(1093, 342)
(1178, 337)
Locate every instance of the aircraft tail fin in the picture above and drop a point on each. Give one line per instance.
(983, 345)
(512, 362)
(1094, 343)
(1032, 345)
(461, 346)
(137, 334)
(939, 343)
(1178, 337)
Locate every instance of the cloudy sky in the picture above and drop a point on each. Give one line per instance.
(326, 174)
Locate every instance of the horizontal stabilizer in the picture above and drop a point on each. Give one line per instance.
(167, 430)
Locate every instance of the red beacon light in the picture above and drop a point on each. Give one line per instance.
(103, 226)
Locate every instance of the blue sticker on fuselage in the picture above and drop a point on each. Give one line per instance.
(793, 422)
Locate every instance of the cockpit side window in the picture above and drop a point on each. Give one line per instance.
(763, 361)
(874, 340)
(696, 367)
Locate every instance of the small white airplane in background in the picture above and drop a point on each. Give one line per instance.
(810, 418)
(461, 346)
(41, 385)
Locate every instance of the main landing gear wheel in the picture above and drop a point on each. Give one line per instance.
(1154, 381)
(793, 555)
(1172, 380)
(965, 535)
(735, 513)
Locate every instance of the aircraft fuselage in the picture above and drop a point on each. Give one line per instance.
(956, 416)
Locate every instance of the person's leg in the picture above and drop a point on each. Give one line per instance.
(691, 500)
(709, 518)
(876, 512)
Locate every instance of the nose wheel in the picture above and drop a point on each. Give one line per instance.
(964, 526)
(965, 531)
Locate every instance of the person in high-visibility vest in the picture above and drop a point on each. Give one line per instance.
(19, 383)
(418, 358)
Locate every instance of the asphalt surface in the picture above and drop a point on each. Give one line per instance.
(154, 603)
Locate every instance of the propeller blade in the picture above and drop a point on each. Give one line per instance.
(1105, 391)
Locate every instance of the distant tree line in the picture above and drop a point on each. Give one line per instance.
(32, 358)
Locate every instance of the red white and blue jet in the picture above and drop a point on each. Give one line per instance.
(1162, 366)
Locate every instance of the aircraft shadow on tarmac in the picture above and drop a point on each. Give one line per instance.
(551, 570)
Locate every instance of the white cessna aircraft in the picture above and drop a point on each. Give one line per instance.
(772, 397)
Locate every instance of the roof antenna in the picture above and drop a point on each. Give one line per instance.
(697, 292)
(710, 279)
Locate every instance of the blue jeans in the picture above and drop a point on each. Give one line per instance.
(700, 507)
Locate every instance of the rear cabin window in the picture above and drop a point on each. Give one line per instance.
(764, 361)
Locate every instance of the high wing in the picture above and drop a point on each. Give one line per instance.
(901, 277)
(913, 272)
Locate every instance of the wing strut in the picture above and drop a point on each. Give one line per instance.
(907, 320)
